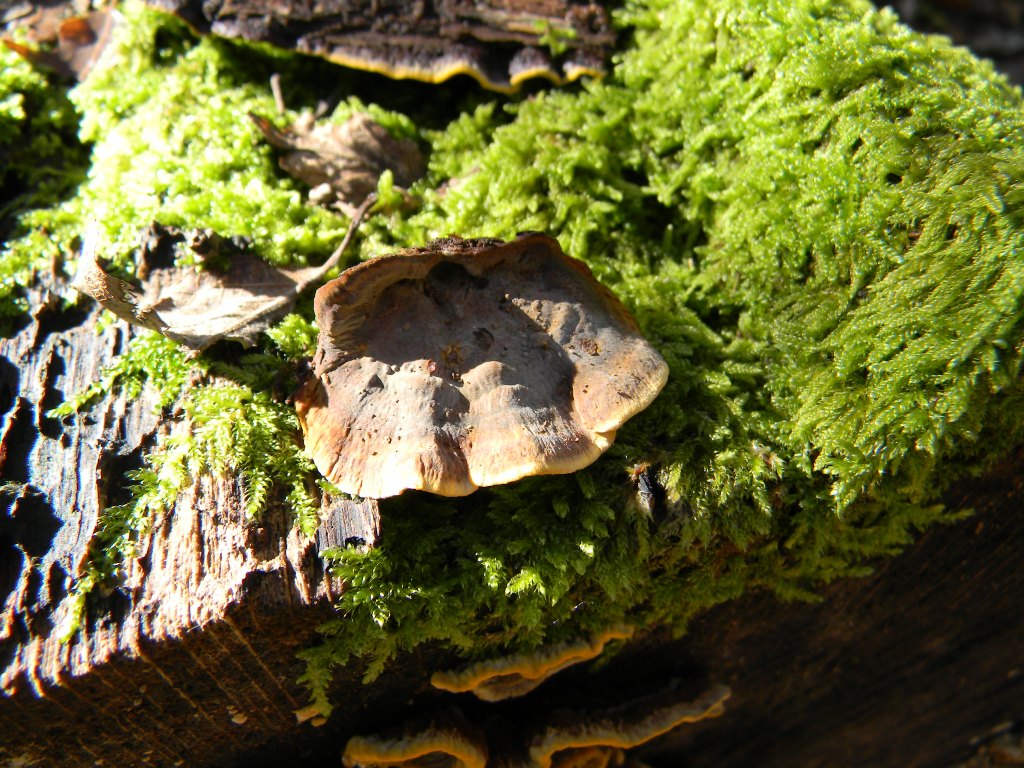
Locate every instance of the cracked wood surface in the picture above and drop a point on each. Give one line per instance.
(56, 480)
(213, 608)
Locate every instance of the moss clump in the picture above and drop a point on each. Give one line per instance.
(171, 141)
(814, 214)
(41, 162)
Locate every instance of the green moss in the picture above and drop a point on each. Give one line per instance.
(167, 119)
(41, 162)
(814, 214)
(822, 235)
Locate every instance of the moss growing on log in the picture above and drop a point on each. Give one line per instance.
(41, 161)
(815, 216)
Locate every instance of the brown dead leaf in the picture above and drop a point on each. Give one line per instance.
(342, 163)
(39, 20)
(80, 42)
(235, 296)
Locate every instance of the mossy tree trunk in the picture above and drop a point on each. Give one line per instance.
(191, 661)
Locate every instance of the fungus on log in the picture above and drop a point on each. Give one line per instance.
(499, 43)
(567, 738)
(511, 676)
(470, 363)
(448, 741)
(624, 727)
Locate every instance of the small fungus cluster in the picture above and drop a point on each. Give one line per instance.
(600, 738)
(570, 740)
(559, 739)
(470, 363)
(511, 676)
(447, 741)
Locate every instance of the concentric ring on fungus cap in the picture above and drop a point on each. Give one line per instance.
(470, 363)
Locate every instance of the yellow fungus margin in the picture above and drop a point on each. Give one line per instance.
(510, 676)
(459, 742)
(623, 728)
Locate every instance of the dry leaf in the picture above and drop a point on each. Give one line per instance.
(81, 41)
(342, 163)
(235, 296)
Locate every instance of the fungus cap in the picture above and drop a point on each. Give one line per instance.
(470, 363)
(630, 725)
(511, 676)
(448, 741)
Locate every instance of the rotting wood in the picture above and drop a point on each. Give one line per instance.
(192, 565)
(193, 661)
(918, 665)
(200, 613)
(56, 481)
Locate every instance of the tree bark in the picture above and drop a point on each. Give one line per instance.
(204, 629)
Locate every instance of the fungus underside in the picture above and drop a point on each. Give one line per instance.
(809, 219)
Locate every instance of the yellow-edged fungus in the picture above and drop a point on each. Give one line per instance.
(630, 725)
(499, 43)
(447, 741)
(510, 676)
(470, 363)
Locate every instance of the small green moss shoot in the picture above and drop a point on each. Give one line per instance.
(806, 212)
(555, 38)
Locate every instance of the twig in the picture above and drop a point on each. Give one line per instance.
(275, 88)
(357, 219)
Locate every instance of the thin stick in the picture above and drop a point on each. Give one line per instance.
(357, 219)
(275, 88)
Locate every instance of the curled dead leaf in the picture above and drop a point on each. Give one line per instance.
(235, 297)
(342, 163)
(80, 41)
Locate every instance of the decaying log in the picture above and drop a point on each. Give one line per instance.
(192, 661)
(919, 665)
(213, 603)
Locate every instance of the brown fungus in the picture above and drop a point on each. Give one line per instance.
(511, 676)
(500, 43)
(470, 363)
(447, 741)
(562, 744)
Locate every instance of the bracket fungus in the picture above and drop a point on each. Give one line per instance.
(565, 738)
(448, 741)
(511, 676)
(470, 363)
(500, 43)
(562, 743)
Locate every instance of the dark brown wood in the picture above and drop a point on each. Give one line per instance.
(208, 612)
(921, 664)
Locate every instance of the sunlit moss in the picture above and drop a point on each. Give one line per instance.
(41, 161)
